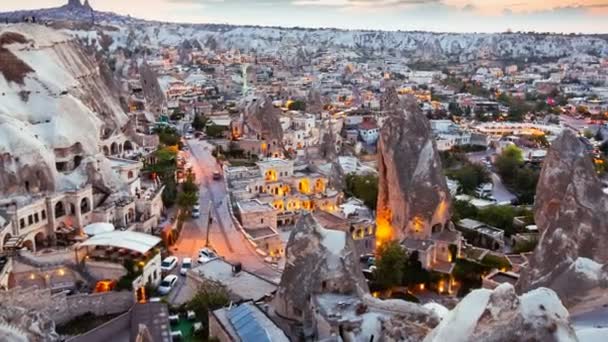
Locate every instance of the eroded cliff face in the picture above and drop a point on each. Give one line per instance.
(51, 114)
(262, 117)
(319, 260)
(571, 212)
(500, 315)
(151, 88)
(413, 197)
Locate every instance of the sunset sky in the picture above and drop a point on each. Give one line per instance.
(590, 16)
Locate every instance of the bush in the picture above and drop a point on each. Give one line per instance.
(297, 105)
(492, 261)
(470, 176)
(215, 131)
(199, 122)
(390, 265)
(210, 296)
(363, 187)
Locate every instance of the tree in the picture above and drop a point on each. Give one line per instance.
(364, 187)
(176, 115)
(470, 176)
(390, 265)
(210, 296)
(463, 209)
(186, 200)
(199, 122)
(508, 161)
(189, 185)
(297, 105)
(215, 131)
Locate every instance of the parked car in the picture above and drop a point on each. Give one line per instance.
(168, 264)
(206, 255)
(368, 259)
(196, 212)
(167, 284)
(217, 175)
(186, 265)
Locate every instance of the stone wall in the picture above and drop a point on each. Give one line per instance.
(105, 270)
(63, 308)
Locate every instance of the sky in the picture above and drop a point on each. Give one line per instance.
(578, 16)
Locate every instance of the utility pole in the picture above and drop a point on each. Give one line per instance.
(209, 222)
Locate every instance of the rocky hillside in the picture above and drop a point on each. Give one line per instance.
(413, 197)
(54, 109)
(301, 44)
(500, 315)
(571, 211)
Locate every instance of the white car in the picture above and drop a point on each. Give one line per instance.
(196, 212)
(206, 255)
(186, 265)
(167, 284)
(168, 264)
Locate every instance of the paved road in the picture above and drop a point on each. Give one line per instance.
(499, 191)
(223, 234)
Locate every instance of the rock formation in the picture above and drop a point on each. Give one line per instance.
(413, 197)
(318, 260)
(314, 102)
(151, 88)
(19, 324)
(500, 315)
(571, 212)
(262, 117)
(54, 116)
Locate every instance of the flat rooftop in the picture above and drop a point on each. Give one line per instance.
(247, 322)
(260, 232)
(250, 206)
(503, 277)
(245, 285)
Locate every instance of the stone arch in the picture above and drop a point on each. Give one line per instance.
(130, 215)
(39, 240)
(85, 205)
(120, 148)
(59, 209)
(436, 228)
(7, 237)
(114, 148)
(128, 146)
(29, 244)
(106, 150)
(77, 161)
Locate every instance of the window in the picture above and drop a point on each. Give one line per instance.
(22, 223)
(262, 220)
(43, 214)
(36, 218)
(30, 220)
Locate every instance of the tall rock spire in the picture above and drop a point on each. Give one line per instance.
(413, 197)
(571, 212)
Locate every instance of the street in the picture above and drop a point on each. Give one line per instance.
(499, 190)
(224, 237)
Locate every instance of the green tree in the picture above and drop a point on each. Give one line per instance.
(390, 265)
(186, 200)
(508, 161)
(210, 296)
(463, 209)
(189, 185)
(297, 105)
(364, 187)
(470, 176)
(199, 122)
(215, 131)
